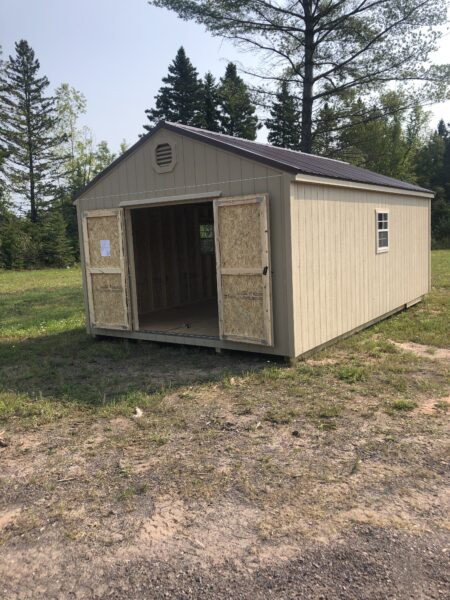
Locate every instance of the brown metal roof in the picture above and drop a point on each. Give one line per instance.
(280, 158)
(292, 161)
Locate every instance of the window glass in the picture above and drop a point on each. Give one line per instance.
(382, 231)
(206, 238)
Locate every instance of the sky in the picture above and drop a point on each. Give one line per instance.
(116, 52)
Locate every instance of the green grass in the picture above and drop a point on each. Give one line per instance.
(50, 367)
(34, 304)
(402, 405)
(428, 322)
(351, 374)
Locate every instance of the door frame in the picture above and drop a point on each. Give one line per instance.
(127, 208)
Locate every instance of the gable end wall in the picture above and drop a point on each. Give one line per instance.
(201, 168)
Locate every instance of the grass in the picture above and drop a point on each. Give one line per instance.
(402, 405)
(51, 369)
(429, 322)
(351, 374)
(299, 446)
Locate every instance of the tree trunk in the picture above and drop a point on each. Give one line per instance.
(33, 208)
(308, 81)
(31, 178)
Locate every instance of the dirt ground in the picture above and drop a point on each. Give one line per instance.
(288, 482)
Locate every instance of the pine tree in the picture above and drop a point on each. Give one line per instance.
(284, 124)
(209, 115)
(332, 46)
(237, 111)
(28, 130)
(3, 148)
(55, 249)
(433, 172)
(179, 99)
(325, 136)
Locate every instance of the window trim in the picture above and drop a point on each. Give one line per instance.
(382, 249)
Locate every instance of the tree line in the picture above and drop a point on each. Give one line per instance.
(378, 133)
(46, 157)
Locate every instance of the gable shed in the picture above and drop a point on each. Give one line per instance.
(199, 238)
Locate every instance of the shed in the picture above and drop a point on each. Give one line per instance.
(195, 237)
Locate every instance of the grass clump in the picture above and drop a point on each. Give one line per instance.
(325, 414)
(279, 415)
(442, 405)
(351, 374)
(133, 490)
(401, 405)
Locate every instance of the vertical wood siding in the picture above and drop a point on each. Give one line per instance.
(201, 168)
(339, 282)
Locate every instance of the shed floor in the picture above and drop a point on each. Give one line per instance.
(200, 318)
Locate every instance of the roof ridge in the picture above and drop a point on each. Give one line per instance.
(235, 137)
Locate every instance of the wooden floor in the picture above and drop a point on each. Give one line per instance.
(200, 318)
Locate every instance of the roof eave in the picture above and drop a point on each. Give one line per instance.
(420, 192)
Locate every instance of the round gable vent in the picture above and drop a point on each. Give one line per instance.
(164, 157)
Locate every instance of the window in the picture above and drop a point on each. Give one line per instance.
(382, 232)
(207, 238)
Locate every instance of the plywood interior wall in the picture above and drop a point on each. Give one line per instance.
(170, 268)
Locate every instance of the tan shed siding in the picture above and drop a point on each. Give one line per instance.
(339, 281)
(200, 168)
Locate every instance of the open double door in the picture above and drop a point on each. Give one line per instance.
(242, 262)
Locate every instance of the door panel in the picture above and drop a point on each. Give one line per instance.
(106, 276)
(243, 269)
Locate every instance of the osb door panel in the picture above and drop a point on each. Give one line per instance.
(105, 269)
(243, 269)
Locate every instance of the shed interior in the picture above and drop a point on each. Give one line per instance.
(175, 269)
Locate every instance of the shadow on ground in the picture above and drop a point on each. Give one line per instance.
(71, 366)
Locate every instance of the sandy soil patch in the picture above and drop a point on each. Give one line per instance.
(432, 405)
(423, 351)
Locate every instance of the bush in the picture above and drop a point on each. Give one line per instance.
(27, 245)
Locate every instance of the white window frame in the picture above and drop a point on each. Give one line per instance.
(382, 249)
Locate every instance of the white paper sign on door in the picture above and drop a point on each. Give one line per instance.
(105, 247)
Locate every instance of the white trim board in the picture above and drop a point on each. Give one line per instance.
(170, 199)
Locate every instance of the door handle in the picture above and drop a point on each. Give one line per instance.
(265, 270)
